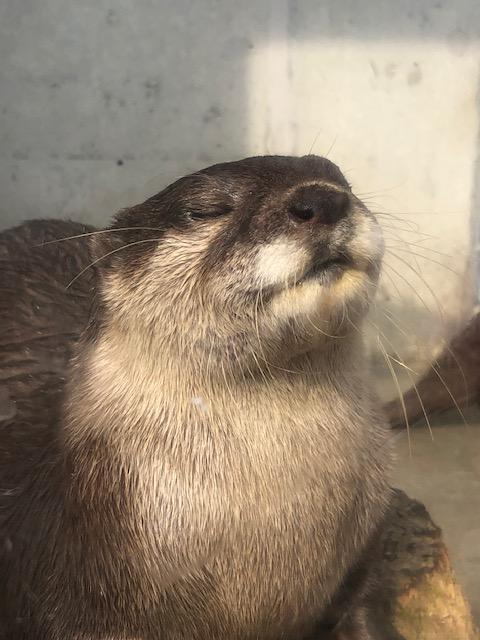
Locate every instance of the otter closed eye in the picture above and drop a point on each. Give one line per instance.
(200, 214)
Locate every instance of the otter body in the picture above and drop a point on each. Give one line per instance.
(210, 463)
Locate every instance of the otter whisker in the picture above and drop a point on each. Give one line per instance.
(354, 325)
(94, 233)
(389, 247)
(228, 387)
(327, 335)
(399, 391)
(278, 368)
(410, 226)
(259, 367)
(344, 312)
(419, 213)
(448, 390)
(252, 373)
(432, 293)
(330, 148)
(421, 237)
(257, 331)
(417, 245)
(409, 284)
(386, 274)
(380, 191)
(422, 406)
(314, 142)
(389, 228)
(400, 363)
(240, 364)
(209, 357)
(406, 249)
(264, 359)
(460, 368)
(125, 246)
(409, 371)
(391, 318)
(428, 258)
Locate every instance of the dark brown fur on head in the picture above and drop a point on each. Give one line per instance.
(210, 462)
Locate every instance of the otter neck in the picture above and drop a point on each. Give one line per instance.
(146, 438)
(128, 389)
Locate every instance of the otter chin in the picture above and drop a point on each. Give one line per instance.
(207, 459)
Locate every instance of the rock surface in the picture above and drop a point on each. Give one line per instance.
(420, 593)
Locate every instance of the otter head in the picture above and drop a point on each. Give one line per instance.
(268, 256)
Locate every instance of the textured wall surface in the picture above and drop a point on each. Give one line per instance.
(104, 102)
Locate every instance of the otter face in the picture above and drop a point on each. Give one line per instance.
(261, 246)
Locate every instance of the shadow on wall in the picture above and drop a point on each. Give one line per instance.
(103, 103)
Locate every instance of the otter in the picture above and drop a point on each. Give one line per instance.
(191, 448)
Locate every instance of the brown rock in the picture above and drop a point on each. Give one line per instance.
(421, 595)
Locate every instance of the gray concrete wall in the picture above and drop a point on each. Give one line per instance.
(103, 103)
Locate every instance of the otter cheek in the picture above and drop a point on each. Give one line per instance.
(367, 246)
(280, 262)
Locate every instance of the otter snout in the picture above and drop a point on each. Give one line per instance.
(318, 204)
(313, 245)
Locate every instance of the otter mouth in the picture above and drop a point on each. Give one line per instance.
(327, 270)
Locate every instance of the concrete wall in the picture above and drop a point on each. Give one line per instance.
(102, 103)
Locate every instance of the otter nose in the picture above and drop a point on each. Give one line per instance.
(318, 204)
